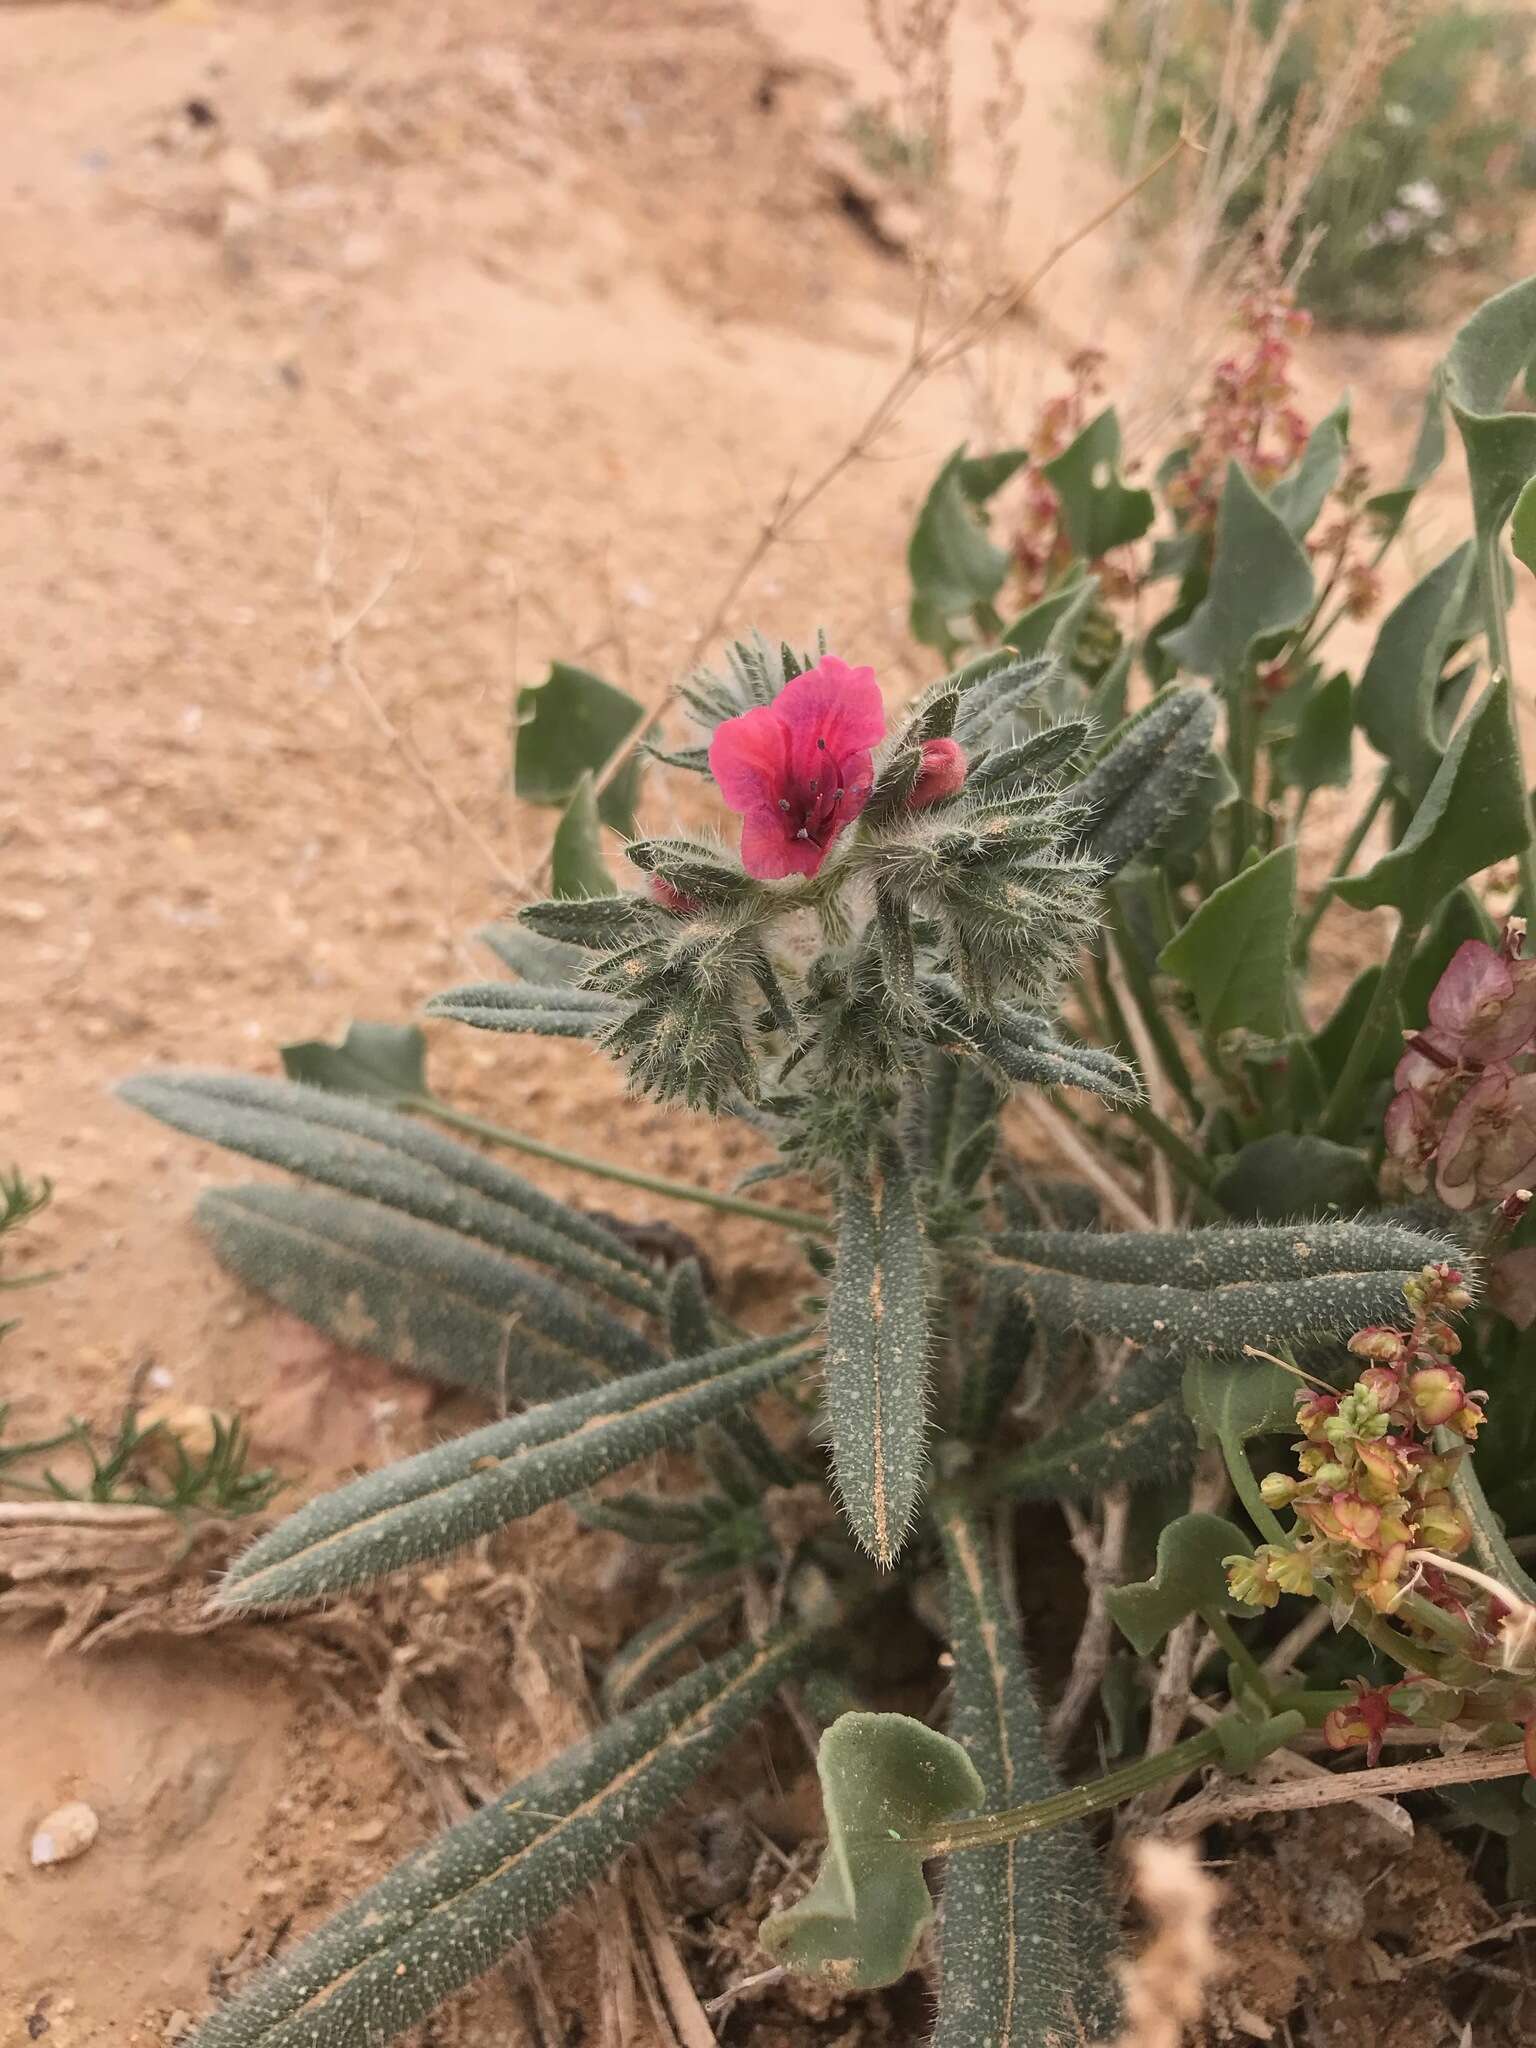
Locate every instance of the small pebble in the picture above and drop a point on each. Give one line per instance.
(66, 1833)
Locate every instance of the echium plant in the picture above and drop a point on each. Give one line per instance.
(920, 914)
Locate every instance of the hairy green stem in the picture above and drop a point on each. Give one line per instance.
(1342, 1116)
(1490, 570)
(604, 1169)
(1351, 848)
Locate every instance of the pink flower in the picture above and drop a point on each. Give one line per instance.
(1489, 1147)
(799, 769)
(942, 774)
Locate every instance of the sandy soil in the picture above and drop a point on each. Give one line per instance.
(535, 310)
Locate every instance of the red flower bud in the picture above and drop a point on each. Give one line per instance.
(670, 898)
(942, 773)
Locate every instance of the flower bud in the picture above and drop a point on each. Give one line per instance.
(673, 899)
(941, 775)
(1278, 1489)
(1377, 1342)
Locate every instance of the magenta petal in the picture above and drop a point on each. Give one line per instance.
(1475, 978)
(770, 851)
(835, 703)
(749, 758)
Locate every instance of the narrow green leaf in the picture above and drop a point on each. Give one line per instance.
(883, 1777)
(1029, 1940)
(1147, 776)
(877, 1356)
(532, 958)
(1098, 510)
(1261, 583)
(424, 1298)
(576, 864)
(1136, 1432)
(1299, 497)
(571, 725)
(1219, 1289)
(1332, 1045)
(525, 1007)
(1522, 533)
(955, 569)
(441, 1499)
(1473, 814)
(1495, 347)
(1190, 1579)
(1294, 1174)
(387, 1062)
(1234, 955)
(1320, 753)
(354, 1145)
(1395, 704)
(1051, 626)
(451, 1911)
(633, 1670)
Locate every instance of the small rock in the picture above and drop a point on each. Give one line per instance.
(66, 1833)
(368, 1831)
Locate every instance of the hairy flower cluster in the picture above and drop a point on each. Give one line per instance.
(1375, 1465)
(1464, 1115)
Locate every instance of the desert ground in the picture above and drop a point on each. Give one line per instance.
(501, 328)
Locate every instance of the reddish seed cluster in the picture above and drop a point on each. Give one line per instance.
(1041, 547)
(1375, 1466)
(1464, 1114)
(1250, 413)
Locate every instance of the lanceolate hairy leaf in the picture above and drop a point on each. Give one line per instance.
(442, 1499)
(397, 1162)
(1020, 1045)
(422, 1297)
(645, 1657)
(1219, 1289)
(877, 1356)
(450, 1911)
(533, 958)
(1147, 777)
(1137, 1432)
(1028, 1938)
(527, 1006)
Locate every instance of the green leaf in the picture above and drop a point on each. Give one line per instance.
(1029, 1937)
(1190, 1579)
(634, 1669)
(877, 1356)
(532, 958)
(1147, 776)
(1245, 1742)
(1261, 583)
(354, 1145)
(387, 1062)
(883, 1777)
(956, 571)
(1051, 627)
(1332, 1045)
(1234, 955)
(1136, 1432)
(442, 1499)
(1218, 1289)
(426, 1299)
(1320, 753)
(1299, 497)
(525, 1007)
(1230, 1400)
(572, 725)
(983, 476)
(1395, 704)
(1294, 1174)
(1097, 509)
(576, 864)
(1495, 347)
(1390, 508)
(1473, 814)
(1522, 535)
(454, 1908)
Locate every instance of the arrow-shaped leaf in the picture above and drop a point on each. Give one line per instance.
(1190, 1579)
(1261, 583)
(883, 1777)
(1234, 954)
